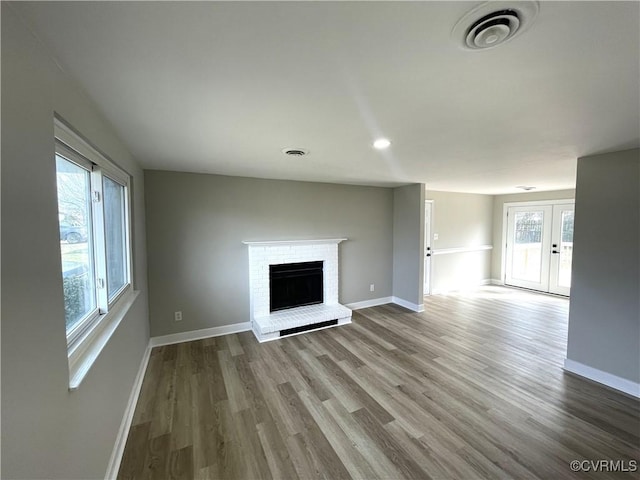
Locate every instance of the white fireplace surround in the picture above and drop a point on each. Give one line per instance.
(267, 325)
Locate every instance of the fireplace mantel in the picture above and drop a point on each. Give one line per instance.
(313, 241)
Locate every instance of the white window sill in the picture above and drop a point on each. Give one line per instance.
(86, 349)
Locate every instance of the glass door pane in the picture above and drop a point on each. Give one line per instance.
(561, 249)
(527, 247)
(566, 249)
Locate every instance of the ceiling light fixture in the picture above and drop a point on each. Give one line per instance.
(295, 152)
(494, 23)
(525, 188)
(381, 144)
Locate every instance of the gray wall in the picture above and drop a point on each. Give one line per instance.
(498, 220)
(461, 220)
(196, 224)
(604, 315)
(47, 431)
(408, 243)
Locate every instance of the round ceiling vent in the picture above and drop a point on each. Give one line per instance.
(493, 23)
(295, 152)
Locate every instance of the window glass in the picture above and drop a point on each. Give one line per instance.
(76, 243)
(115, 239)
(527, 251)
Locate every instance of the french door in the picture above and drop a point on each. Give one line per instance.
(561, 249)
(539, 247)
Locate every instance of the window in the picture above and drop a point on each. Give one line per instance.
(76, 242)
(93, 216)
(115, 236)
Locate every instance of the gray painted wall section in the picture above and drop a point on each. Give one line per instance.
(604, 317)
(196, 225)
(408, 243)
(461, 220)
(47, 431)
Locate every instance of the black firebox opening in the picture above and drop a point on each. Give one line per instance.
(295, 284)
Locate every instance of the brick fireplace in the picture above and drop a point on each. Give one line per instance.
(263, 256)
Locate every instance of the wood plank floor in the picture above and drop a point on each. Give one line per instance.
(471, 388)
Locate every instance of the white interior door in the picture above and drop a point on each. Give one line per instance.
(561, 249)
(427, 247)
(528, 246)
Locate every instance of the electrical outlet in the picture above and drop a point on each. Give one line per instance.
(435, 236)
(372, 288)
(177, 317)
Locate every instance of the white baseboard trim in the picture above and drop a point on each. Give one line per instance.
(411, 306)
(374, 302)
(125, 425)
(495, 281)
(199, 334)
(608, 379)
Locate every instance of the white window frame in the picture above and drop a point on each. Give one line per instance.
(89, 336)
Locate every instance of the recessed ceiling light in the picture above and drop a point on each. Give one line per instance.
(525, 188)
(381, 143)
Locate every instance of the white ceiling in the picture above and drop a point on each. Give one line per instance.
(223, 87)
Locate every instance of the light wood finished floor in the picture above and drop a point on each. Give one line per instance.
(471, 388)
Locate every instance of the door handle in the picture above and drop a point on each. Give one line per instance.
(555, 251)
(428, 255)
